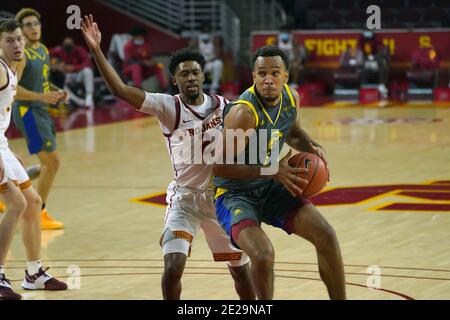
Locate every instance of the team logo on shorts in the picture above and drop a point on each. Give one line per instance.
(237, 211)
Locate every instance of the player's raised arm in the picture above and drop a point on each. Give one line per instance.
(118, 88)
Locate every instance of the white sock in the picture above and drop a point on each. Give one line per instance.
(2, 269)
(33, 267)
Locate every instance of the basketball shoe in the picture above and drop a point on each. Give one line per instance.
(48, 223)
(6, 293)
(42, 281)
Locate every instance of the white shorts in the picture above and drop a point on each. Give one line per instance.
(188, 210)
(14, 171)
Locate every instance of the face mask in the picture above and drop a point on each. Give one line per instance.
(138, 42)
(284, 37)
(368, 34)
(204, 37)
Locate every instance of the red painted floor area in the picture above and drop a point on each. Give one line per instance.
(118, 111)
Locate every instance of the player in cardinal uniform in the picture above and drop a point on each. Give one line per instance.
(22, 201)
(190, 195)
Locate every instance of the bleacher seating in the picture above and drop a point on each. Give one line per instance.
(344, 14)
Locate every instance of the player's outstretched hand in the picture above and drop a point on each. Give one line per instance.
(90, 32)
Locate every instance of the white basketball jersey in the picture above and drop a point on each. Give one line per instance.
(196, 124)
(7, 94)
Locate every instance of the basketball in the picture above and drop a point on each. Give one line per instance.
(317, 172)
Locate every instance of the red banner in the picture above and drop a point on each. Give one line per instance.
(325, 47)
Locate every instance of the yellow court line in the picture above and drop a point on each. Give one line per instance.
(424, 200)
(386, 204)
(425, 190)
(334, 205)
(379, 206)
(380, 196)
(156, 194)
(434, 182)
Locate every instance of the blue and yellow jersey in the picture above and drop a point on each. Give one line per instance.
(36, 74)
(273, 122)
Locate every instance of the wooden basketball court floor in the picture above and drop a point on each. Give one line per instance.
(388, 199)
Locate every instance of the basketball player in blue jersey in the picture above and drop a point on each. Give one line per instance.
(245, 197)
(30, 110)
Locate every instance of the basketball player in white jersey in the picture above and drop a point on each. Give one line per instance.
(22, 201)
(189, 196)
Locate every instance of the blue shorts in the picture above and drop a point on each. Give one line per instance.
(270, 203)
(37, 127)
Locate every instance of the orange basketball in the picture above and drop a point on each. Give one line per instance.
(317, 172)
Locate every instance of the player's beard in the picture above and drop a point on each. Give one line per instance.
(193, 97)
(270, 99)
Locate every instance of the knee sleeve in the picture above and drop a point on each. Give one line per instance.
(176, 246)
(176, 242)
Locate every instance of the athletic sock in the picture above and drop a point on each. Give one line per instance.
(33, 267)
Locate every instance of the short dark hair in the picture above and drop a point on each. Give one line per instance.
(27, 12)
(185, 55)
(8, 25)
(270, 51)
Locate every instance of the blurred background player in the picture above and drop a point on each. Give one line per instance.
(139, 63)
(189, 196)
(22, 202)
(375, 68)
(208, 44)
(296, 53)
(425, 67)
(73, 63)
(30, 111)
